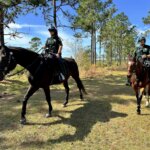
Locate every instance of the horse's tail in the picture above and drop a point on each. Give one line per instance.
(74, 72)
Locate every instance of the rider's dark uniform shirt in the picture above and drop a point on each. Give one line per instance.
(53, 43)
(141, 51)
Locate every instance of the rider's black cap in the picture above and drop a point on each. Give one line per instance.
(52, 29)
(142, 39)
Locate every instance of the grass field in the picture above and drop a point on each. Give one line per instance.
(105, 120)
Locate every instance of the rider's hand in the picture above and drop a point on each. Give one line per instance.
(144, 56)
(58, 55)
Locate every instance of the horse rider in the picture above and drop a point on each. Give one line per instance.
(141, 53)
(53, 46)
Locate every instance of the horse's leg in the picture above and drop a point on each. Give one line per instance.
(147, 101)
(148, 93)
(30, 92)
(48, 99)
(139, 96)
(147, 96)
(80, 86)
(67, 92)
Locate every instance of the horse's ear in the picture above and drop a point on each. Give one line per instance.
(129, 56)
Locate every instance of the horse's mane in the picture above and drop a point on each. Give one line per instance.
(21, 49)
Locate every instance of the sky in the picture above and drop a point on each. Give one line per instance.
(135, 10)
(34, 26)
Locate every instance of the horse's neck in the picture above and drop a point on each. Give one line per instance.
(25, 58)
(142, 73)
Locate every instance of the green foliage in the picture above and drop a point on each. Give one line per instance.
(35, 44)
(91, 15)
(12, 9)
(118, 38)
(146, 20)
(89, 12)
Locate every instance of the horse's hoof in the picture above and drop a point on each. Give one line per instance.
(64, 105)
(138, 112)
(147, 104)
(23, 121)
(18, 101)
(81, 97)
(48, 115)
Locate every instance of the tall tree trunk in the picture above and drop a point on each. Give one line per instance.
(55, 13)
(120, 55)
(100, 44)
(93, 44)
(111, 54)
(2, 26)
(100, 50)
(103, 56)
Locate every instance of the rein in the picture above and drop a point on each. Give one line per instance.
(11, 57)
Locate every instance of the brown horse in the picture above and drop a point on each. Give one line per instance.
(139, 81)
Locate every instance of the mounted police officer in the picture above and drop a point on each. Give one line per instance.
(141, 53)
(53, 46)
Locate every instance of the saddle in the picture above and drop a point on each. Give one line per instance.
(58, 65)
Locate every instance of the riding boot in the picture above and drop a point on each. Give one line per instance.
(128, 82)
(61, 75)
(60, 70)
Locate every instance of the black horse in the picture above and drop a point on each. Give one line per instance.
(41, 75)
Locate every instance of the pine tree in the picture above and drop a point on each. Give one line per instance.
(146, 20)
(10, 10)
(35, 43)
(118, 38)
(90, 14)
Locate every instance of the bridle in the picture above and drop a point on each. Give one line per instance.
(8, 63)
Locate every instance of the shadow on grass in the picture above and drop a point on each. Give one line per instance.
(145, 114)
(83, 119)
(98, 108)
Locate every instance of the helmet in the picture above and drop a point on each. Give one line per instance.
(142, 39)
(52, 28)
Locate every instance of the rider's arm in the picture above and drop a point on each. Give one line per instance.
(148, 56)
(60, 49)
(60, 46)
